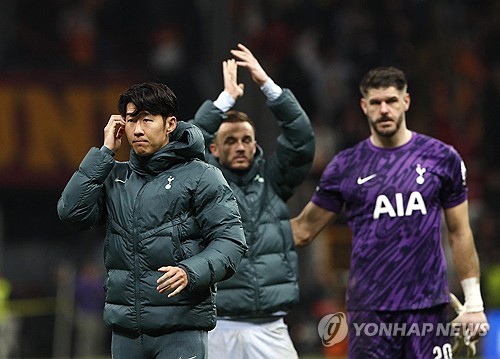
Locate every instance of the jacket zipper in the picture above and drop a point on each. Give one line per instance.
(136, 262)
(256, 285)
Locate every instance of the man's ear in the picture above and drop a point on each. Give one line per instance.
(171, 124)
(214, 150)
(407, 101)
(362, 104)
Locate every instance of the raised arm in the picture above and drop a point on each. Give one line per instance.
(246, 59)
(211, 113)
(290, 164)
(81, 202)
(230, 74)
(309, 223)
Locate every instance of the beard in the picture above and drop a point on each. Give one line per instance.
(386, 131)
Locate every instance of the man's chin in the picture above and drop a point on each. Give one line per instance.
(387, 131)
(240, 167)
(141, 151)
(387, 134)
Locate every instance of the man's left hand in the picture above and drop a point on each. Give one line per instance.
(472, 326)
(174, 279)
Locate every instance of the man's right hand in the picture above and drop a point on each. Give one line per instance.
(231, 85)
(113, 132)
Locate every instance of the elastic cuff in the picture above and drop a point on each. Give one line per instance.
(271, 90)
(224, 102)
(107, 150)
(473, 302)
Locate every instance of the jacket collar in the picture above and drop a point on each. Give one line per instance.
(186, 144)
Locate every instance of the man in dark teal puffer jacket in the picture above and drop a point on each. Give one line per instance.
(251, 305)
(173, 229)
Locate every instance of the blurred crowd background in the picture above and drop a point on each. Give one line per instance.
(63, 64)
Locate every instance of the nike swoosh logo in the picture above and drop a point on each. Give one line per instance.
(365, 179)
(120, 180)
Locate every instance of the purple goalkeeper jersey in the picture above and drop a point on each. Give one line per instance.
(393, 200)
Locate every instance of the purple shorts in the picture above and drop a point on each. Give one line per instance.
(419, 334)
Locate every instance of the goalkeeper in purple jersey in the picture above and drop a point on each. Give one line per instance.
(393, 187)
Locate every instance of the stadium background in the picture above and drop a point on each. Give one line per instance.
(63, 64)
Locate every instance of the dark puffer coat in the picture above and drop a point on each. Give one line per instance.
(265, 284)
(169, 209)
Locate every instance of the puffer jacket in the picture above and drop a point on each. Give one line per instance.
(265, 283)
(168, 209)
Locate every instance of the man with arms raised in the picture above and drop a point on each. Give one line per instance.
(252, 304)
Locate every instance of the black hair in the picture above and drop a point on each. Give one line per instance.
(152, 97)
(383, 77)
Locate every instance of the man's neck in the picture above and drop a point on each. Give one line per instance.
(397, 140)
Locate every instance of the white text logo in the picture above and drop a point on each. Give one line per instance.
(414, 203)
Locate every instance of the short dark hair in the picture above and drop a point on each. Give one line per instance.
(237, 116)
(383, 77)
(152, 97)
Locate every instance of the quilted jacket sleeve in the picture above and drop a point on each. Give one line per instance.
(81, 204)
(208, 119)
(219, 219)
(290, 164)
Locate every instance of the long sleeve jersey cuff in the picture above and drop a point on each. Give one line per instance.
(271, 90)
(224, 102)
